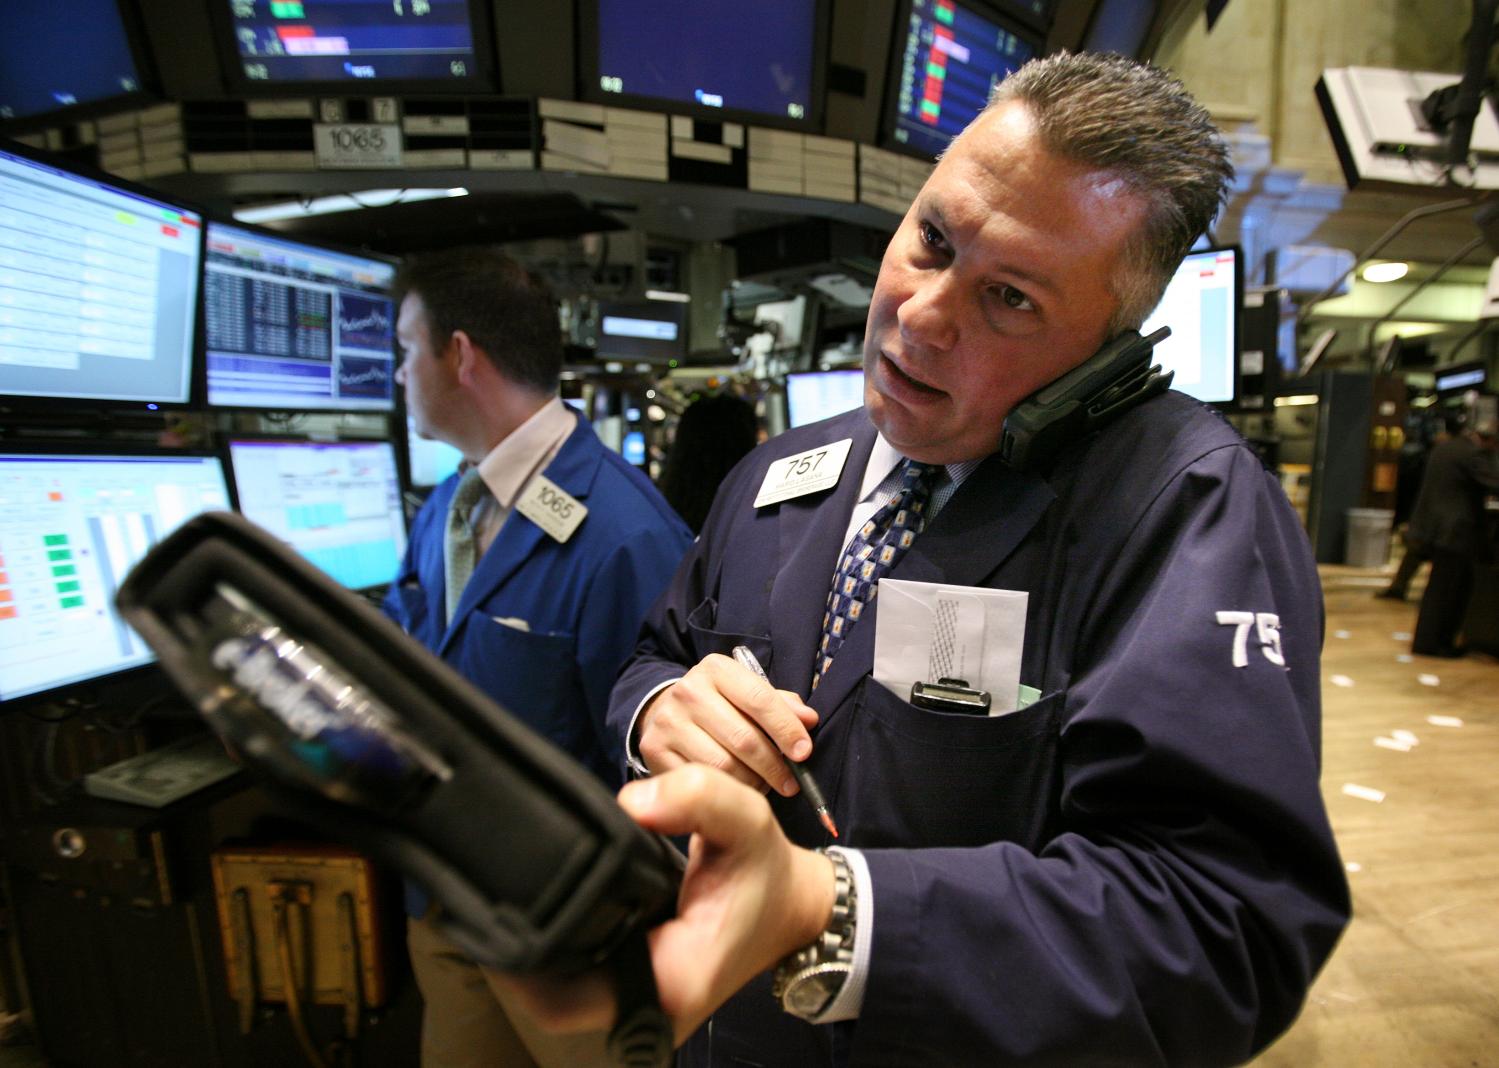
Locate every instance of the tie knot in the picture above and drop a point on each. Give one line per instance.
(470, 488)
(919, 478)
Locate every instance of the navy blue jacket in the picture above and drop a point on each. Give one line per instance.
(1138, 868)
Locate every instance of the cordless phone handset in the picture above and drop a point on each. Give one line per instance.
(1109, 383)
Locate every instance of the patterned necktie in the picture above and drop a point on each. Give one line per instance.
(875, 548)
(460, 548)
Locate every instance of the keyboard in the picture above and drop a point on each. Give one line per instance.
(163, 775)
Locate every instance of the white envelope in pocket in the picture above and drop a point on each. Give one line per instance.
(927, 630)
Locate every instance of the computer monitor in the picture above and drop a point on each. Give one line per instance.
(947, 56)
(714, 59)
(98, 288)
(67, 58)
(814, 395)
(653, 330)
(356, 45)
(72, 524)
(296, 326)
(430, 462)
(1457, 378)
(1201, 306)
(336, 503)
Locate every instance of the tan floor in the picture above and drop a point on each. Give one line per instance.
(1415, 981)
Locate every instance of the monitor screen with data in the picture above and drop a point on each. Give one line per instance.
(71, 527)
(1201, 306)
(370, 43)
(336, 503)
(814, 395)
(294, 326)
(98, 287)
(951, 54)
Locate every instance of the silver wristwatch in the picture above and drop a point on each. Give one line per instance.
(807, 981)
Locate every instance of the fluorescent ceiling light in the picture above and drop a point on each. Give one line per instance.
(1296, 399)
(667, 294)
(368, 198)
(1385, 272)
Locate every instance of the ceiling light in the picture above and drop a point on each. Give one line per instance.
(1385, 272)
(667, 294)
(1296, 400)
(368, 198)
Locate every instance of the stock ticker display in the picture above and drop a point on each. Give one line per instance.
(349, 40)
(951, 58)
(293, 326)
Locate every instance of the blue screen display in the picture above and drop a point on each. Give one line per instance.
(756, 58)
(352, 40)
(950, 60)
(336, 503)
(62, 53)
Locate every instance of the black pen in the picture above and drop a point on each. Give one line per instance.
(803, 777)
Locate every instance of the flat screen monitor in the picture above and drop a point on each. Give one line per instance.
(63, 56)
(98, 287)
(336, 503)
(1201, 306)
(71, 526)
(654, 330)
(716, 59)
(948, 56)
(1457, 378)
(814, 395)
(430, 461)
(343, 44)
(294, 326)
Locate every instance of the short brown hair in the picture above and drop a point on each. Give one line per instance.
(1139, 124)
(506, 310)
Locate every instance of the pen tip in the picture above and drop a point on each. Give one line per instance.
(827, 821)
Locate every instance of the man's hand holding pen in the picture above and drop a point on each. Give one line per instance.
(725, 716)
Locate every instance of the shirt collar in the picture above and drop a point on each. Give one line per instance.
(884, 457)
(527, 449)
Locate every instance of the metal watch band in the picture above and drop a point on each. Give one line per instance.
(808, 981)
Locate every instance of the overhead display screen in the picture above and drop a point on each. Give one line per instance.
(286, 41)
(711, 55)
(98, 288)
(62, 54)
(295, 326)
(951, 57)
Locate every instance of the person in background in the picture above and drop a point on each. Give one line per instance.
(528, 572)
(1416, 552)
(1448, 521)
(1129, 862)
(713, 434)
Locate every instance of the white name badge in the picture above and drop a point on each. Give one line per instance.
(551, 508)
(806, 472)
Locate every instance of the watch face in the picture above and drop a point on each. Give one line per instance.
(809, 997)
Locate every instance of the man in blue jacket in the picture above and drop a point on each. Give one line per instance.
(1130, 865)
(529, 572)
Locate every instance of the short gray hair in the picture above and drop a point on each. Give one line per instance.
(1137, 123)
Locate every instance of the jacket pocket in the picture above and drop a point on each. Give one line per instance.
(916, 777)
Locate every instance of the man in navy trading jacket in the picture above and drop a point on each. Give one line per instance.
(529, 573)
(1136, 868)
